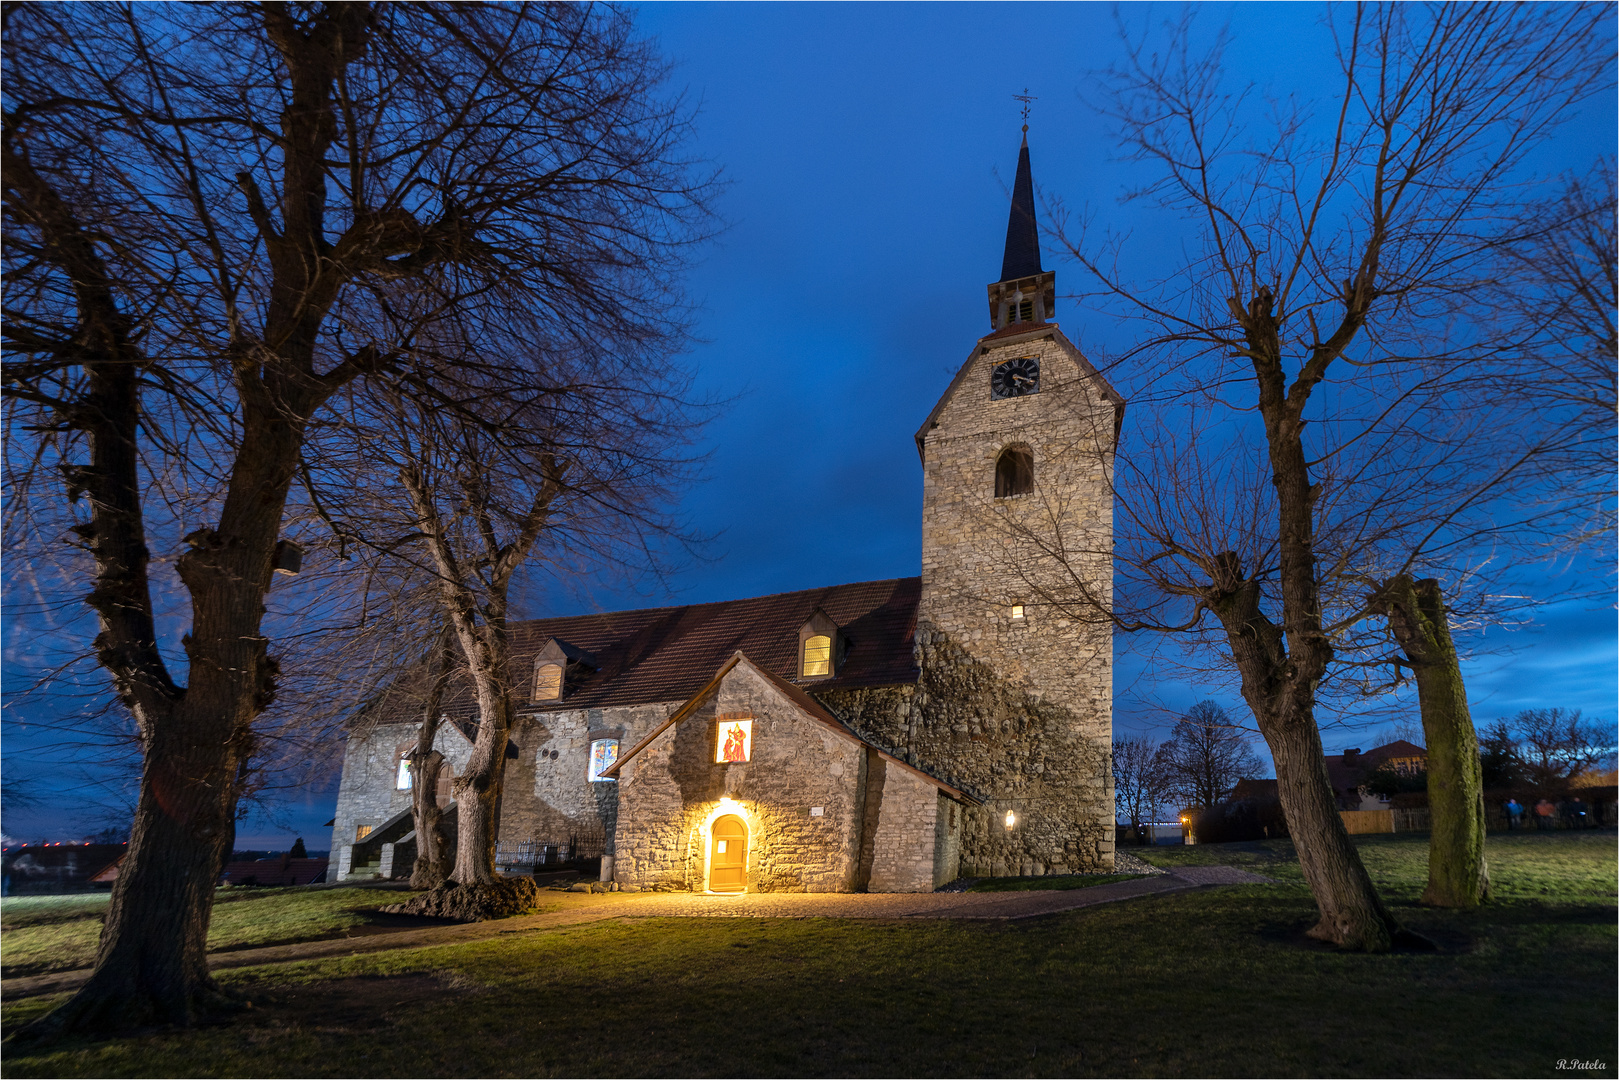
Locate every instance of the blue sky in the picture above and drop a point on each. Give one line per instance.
(869, 150)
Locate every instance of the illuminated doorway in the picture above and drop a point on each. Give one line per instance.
(728, 855)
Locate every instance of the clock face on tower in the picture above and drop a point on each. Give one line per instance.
(1015, 378)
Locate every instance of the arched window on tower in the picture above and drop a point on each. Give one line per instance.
(1014, 472)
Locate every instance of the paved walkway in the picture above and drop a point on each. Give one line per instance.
(579, 909)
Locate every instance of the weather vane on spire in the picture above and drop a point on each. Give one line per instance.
(1025, 97)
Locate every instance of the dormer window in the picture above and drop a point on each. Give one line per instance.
(817, 656)
(547, 682)
(560, 667)
(821, 647)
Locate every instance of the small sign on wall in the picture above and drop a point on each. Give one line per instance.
(817, 811)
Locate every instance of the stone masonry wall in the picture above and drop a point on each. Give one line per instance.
(366, 794)
(903, 860)
(550, 798)
(989, 736)
(949, 823)
(670, 794)
(1046, 550)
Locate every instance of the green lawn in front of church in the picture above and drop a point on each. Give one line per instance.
(60, 933)
(1212, 982)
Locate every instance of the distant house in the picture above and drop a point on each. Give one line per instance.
(1350, 770)
(1348, 773)
(55, 868)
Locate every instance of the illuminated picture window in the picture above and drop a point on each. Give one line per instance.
(361, 832)
(1017, 611)
(402, 775)
(734, 741)
(547, 682)
(603, 752)
(817, 655)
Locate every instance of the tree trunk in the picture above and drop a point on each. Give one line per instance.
(431, 868)
(1352, 914)
(1457, 873)
(151, 966)
(477, 803)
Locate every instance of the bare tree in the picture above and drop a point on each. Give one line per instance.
(1139, 786)
(216, 220)
(1306, 441)
(1565, 257)
(1204, 757)
(1555, 746)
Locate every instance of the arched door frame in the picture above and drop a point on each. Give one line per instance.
(706, 835)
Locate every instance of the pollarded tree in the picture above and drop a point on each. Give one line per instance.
(1308, 432)
(218, 218)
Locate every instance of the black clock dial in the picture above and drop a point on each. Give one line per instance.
(1015, 378)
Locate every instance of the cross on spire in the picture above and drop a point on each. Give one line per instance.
(1025, 97)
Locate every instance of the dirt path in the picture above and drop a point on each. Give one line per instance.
(579, 909)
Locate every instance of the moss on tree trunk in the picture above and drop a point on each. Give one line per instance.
(1457, 873)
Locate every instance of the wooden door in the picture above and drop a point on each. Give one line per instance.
(728, 855)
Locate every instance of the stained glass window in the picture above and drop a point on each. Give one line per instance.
(402, 777)
(734, 741)
(603, 752)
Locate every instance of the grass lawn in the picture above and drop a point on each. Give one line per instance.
(60, 933)
(1055, 881)
(1218, 982)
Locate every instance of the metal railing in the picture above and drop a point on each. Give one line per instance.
(523, 856)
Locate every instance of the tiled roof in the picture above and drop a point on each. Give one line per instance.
(794, 693)
(668, 654)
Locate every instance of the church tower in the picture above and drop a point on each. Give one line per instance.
(1017, 543)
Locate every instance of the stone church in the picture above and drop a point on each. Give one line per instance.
(882, 735)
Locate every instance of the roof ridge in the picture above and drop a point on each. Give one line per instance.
(712, 603)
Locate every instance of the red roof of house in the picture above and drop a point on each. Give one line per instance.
(668, 654)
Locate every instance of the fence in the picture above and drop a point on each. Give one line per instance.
(526, 856)
(1367, 821)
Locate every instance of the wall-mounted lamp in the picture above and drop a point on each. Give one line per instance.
(1011, 819)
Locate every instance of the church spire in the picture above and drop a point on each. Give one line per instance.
(1025, 293)
(1022, 258)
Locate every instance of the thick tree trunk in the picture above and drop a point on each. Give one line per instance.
(1457, 873)
(477, 804)
(151, 967)
(1352, 914)
(432, 867)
